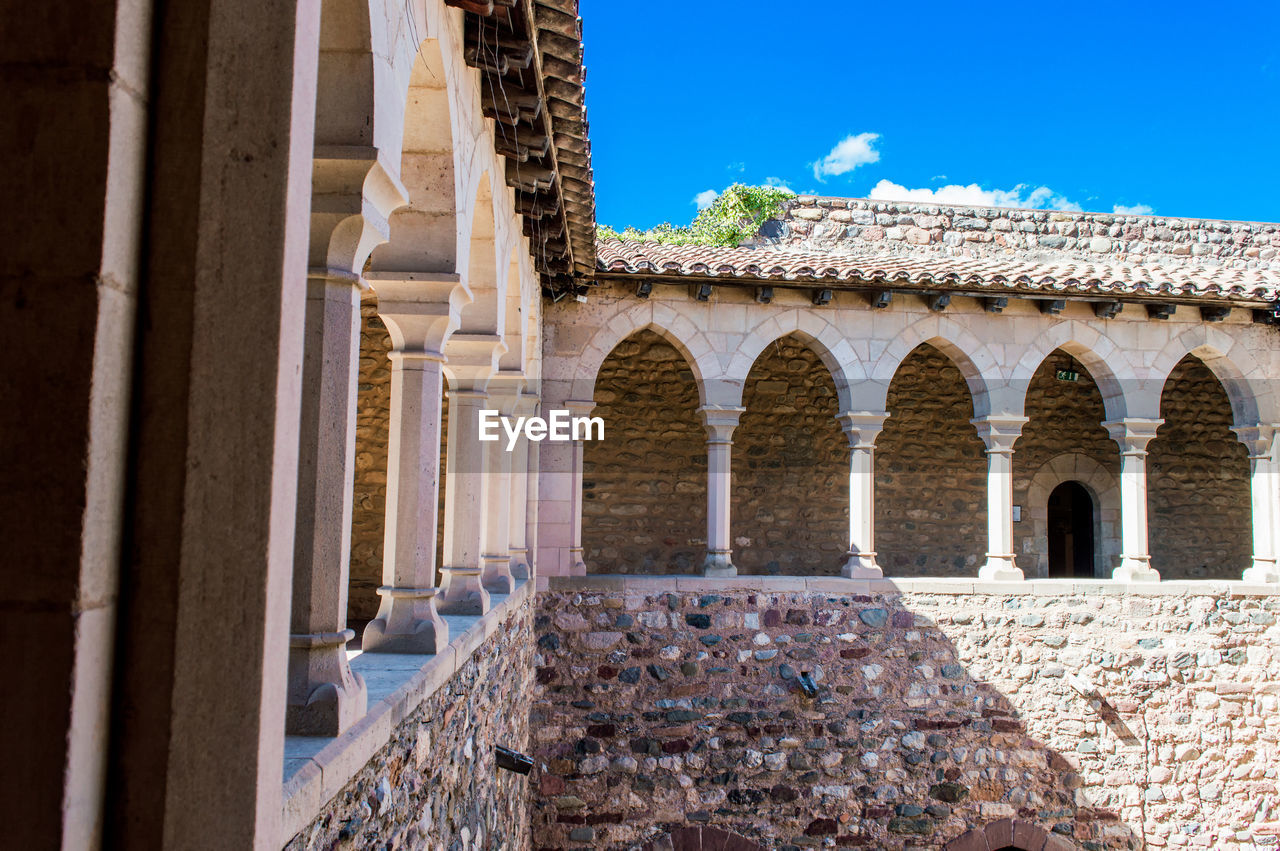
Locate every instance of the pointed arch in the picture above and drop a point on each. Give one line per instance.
(486, 313)
(831, 346)
(1107, 363)
(345, 112)
(424, 233)
(1232, 363)
(976, 362)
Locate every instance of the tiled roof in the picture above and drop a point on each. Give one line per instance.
(933, 270)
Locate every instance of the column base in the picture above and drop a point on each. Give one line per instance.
(519, 564)
(495, 575)
(1001, 568)
(862, 566)
(718, 564)
(407, 622)
(462, 592)
(325, 695)
(1135, 569)
(1263, 571)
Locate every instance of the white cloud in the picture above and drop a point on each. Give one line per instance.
(973, 195)
(849, 153)
(778, 183)
(705, 198)
(1135, 210)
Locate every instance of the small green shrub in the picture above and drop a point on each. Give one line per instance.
(736, 215)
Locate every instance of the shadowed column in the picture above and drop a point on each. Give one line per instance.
(1133, 434)
(999, 433)
(720, 423)
(1262, 445)
(862, 429)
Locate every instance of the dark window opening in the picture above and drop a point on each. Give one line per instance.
(1071, 531)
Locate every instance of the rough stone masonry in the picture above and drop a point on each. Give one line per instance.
(1116, 720)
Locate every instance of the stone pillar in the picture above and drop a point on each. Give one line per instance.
(415, 310)
(495, 558)
(999, 433)
(862, 429)
(577, 565)
(720, 423)
(518, 509)
(1263, 448)
(1133, 434)
(532, 497)
(324, 696)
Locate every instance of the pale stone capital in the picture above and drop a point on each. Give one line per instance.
(472, 360)
(1133, 433)
(421, 310)
(579, 407)
(352, 198)
(720, 422)
(862, 427)
(1258, 439)
(999, 432)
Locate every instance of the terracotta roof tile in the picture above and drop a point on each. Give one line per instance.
(780, 264)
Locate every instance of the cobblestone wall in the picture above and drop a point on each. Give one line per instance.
(645, 485)
(931, 473)
(373, 425)
(790, 501)
(860, 225)
(934, 713)
(1198, 481)
(435, 785)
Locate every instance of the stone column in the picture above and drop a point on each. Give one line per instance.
(577, 565)
(495, 558)
(415, 312)
(324, 696)
(720, 423)
(532, 497)
(1262, 445)
(1133, 434)
(518, 509)
(862, 429)
(999, 433)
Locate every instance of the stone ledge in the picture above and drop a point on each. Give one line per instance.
(317, 768)
(923, 585)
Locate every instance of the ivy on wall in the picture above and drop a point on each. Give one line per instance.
(735, 216)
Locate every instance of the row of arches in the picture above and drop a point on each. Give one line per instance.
(644, 486)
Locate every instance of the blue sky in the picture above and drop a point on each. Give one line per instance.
(1169, 107)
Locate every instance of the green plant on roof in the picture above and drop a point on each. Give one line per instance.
(735, 216)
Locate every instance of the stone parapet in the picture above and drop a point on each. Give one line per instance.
(1114, 716)
(859, 225)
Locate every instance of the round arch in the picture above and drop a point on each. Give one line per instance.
(1010, 834)
(971, 356)
(1101, 485)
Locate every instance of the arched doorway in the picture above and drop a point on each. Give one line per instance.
(1071, 520)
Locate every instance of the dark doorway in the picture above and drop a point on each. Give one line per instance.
(1070, 530)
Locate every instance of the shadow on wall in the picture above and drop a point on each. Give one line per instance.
(659, 713)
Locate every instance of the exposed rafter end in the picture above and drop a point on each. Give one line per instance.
(881, 299)
(995, 304)
(1161, 311)
(821, 297)
(702, 292)
(644, 288)
(1107, 309)
(1053, 306)
(1215, 312)
(764, 295)
(938, 301)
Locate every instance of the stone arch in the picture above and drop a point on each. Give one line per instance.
(678, 330)
(976, 363)
(831, 346)
(516, 307)
(701, 839)
(1013, 834)
(345, 75)
(1101, 485)
(1231, 362)
(424, 233)
(486, 311)
(1107, 363)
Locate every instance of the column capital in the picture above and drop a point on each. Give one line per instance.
(862, 427)
(472, 360)
(1258, 439)
(420, 309)
(579, 406)
(720, 421)
(526, 405)
(1133, 433)
(999, 431)
(352, 198)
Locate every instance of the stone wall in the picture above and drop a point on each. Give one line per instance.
(644, 486)
(373, 430)
(860, 225)
(1200, 514)
(937, 710)
(931, 473)
(790, 500)
(434, 784)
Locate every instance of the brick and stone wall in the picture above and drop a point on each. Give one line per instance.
(851, 224)
(790, 500)
(435, 784)
(645, 485)
(373, 430)
(1199, 509)
(937, 711)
